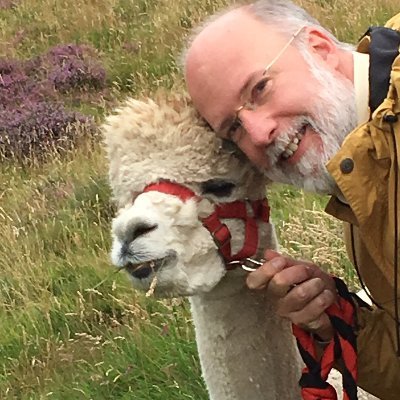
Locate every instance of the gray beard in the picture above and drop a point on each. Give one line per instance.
(333, 116)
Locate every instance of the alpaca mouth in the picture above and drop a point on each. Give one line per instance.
(144, 269)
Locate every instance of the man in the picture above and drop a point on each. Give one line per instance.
(309, 111)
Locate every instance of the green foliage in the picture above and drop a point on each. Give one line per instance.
(71, 327)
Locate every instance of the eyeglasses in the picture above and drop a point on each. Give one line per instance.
(258, 96)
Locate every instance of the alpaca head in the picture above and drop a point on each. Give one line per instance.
(160, 231)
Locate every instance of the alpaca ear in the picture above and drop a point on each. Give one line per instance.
(133, 194)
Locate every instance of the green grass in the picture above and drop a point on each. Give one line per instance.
(63, 335)
(70, 327)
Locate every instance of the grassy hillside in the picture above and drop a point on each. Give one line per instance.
(70, 327)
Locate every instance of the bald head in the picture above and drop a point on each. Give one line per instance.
(223, 31)
(220, 54)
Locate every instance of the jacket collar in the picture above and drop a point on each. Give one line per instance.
(361, 86)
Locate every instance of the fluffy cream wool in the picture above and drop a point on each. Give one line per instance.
(148, 141)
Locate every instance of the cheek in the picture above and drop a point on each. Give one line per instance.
(296, 94)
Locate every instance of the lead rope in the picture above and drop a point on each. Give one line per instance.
(342, 346)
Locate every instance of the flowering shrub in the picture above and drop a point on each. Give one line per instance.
(6, 4)
(17, 86)
(74, 66)
(33, 118)
(39, 128)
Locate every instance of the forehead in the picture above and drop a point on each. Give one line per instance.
(237, 31)
(224, 54)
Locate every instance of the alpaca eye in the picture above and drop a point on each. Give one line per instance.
(230, 147)
(141, 230)
(217, 187)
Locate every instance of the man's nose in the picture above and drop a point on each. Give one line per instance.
(259, 127)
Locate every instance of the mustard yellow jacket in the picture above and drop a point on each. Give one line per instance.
(366, 169)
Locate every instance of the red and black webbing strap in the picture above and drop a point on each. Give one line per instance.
(313, 382)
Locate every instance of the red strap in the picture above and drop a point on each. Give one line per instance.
(220, 234)
(261, 209)
(172, 188)
(343, 345)
(237, 210)
(250, 241)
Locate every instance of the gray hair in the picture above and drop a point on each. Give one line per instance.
(285, 16)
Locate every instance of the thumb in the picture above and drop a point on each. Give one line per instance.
(270, 254)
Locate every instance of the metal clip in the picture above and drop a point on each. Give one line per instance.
(248, 264)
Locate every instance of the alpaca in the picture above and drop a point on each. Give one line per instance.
(245, 350)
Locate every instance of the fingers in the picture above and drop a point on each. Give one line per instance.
(322, 326)
(270, 254)
(261, 277)
(289, 277)
(300, 296)
(306, 311)
(303, 289)
(310, 312)
(279, 275)
(312, 316)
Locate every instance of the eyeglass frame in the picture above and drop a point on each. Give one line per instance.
(247, 105)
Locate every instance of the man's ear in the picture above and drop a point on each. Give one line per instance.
(323, 47)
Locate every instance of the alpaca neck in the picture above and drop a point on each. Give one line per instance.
(245, 350)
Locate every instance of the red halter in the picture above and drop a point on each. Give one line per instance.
(219, 231)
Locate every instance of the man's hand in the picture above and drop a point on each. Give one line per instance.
(303, 289)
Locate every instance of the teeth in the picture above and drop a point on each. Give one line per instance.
(293, 145)
(289, 152)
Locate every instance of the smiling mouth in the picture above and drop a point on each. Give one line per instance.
(293, 145)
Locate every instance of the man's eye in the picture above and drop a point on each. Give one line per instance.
(259, 89)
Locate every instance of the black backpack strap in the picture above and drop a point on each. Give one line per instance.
(383, 49)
